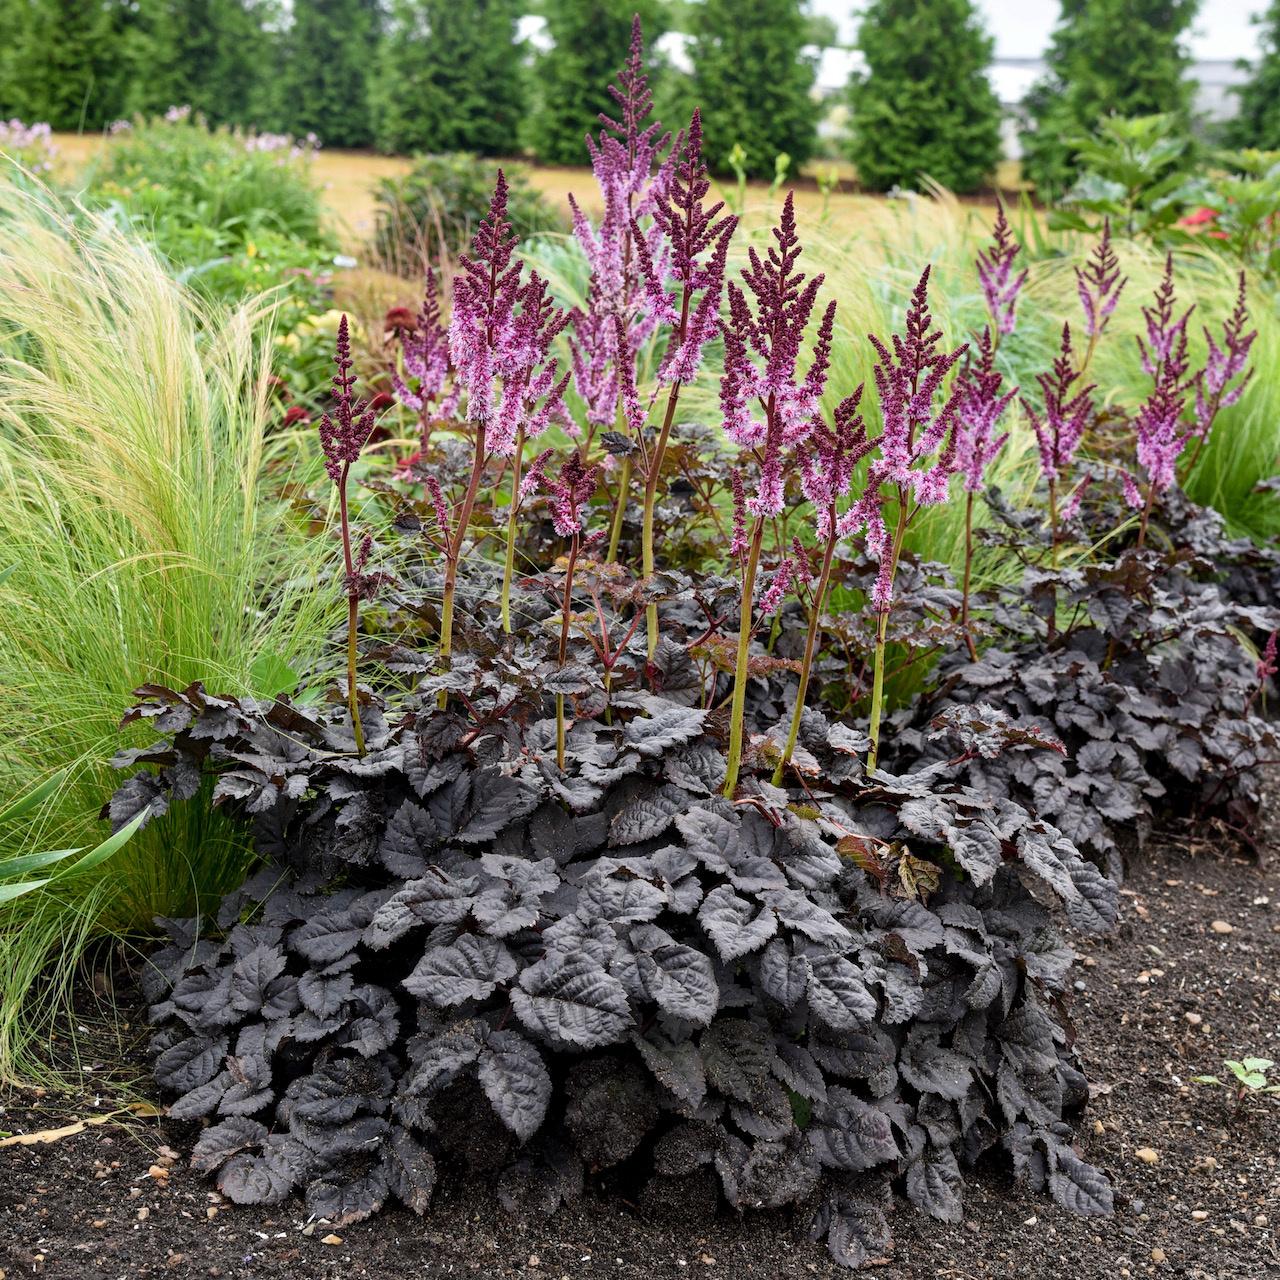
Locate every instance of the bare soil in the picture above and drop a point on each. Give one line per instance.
(1167, 997)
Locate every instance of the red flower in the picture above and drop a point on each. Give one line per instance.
(296, 414)
(382, 400)
(1198, 218)
(400, 320)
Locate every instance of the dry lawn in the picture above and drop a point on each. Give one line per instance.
(350, 177)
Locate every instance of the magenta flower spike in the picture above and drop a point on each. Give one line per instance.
(692, 251)
(343, 434)
(979, 410)
(1068, 409)
(1000, 287)
(1158, 425)
(919, 440)
(1099, 285)
(425, 349)
(623, 158)
(1224, 364)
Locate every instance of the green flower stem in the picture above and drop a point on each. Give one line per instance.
(650, 500)
(741, 666)
(508, 570)
(882, 630)
(565, 605)
(968, 577)
(811, 641)
(353, 612)
(453, 554)
(619, 510)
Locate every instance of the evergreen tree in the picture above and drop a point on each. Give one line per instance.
(573, 77)
(62, 62)
(924, 105)
(753, 82)
(1107, 56)
(218, 56)
(449, 78)
(1257, 123)
(330, 49)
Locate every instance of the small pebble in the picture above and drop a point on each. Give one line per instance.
(1198, 1215)
(1221, 926)
(1193, 1018)
(534, 1261)
(1261, 1220)
(144, 1213)
(330, 1239)
(1148, 1155)
(1158, 1254)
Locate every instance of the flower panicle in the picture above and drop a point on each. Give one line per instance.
(1067, 411)
(764, 339)
(1224, 364)
(424, 346)
(1100, 284)
(1267, 662)
(569, 493)
(829, 457)
(1158, 424)
(1000, 286)
(344, 432)
(979, 410)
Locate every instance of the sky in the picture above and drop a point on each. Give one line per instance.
(1022, 27)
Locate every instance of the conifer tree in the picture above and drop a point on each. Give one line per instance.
(1257, 123)
(1107, 56)
(449, 77)
(924, 104)
(591, 39)
(330, 50)
(61, 62)
(753, 82)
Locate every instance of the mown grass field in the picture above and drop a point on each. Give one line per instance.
(349, 179)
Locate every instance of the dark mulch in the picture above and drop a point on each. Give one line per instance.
(1164, 999)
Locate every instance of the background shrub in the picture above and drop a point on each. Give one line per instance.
(1122, 57)
(924, 107)
(752, 82)
(449, 78)
(433, 210)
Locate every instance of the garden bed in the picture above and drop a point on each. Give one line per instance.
(74, 1208)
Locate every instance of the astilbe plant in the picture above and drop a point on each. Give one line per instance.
(616, 322)
(500, 338)
(424, 347)
(1222, 381)
(769, 408)
(694, 249)
(1000, 286)
(918, 453)
(1099, 284)
(1060, 424)
(343, 435)
(1159, 430)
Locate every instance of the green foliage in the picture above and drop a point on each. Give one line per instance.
(1244, 198)
(219, 56)
(752, 82)
(449, 77)
(1257, 122)
(17, 870)
(1133, 174)
(924, 106)
(329, 50)
(1121, 57)
(573, 77)
(144, 544)
(432, 211)
(60, 62)
(200, 176)
(1250, 1078)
